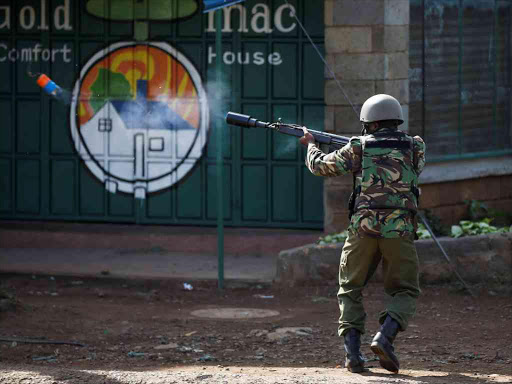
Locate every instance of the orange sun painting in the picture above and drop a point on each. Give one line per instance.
(118, 75)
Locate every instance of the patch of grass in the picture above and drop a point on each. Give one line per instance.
(333, 238)
(435, 224)
(465, 228)
(474, 228)
(7, 300)
(422, 232)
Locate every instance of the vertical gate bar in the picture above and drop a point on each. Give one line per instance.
(106, 38)
(423, 69)
(270, 134)
(45, 126)
(14, 125)
(78, 162)
(507, 66)
(495, 68)
(300, 117)
(235, 135)
(220, 165)
(461, 48)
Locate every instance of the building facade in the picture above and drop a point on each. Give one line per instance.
(448, 62)
(131, 136)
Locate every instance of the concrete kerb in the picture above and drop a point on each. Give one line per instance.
(478, 259)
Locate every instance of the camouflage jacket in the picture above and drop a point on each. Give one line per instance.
(387, 223)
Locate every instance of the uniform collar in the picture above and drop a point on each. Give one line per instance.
(387, 132)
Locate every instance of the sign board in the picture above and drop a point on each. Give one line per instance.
(212, 5)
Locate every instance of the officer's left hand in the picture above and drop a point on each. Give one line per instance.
(308, 138)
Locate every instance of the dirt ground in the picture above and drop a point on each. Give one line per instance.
(146, 328)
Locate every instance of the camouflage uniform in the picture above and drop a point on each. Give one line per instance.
(382, 226)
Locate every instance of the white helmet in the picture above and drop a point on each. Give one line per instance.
(381, 107)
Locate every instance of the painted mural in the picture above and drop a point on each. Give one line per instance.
(139, 116)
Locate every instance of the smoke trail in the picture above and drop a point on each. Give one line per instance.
(288, 148)
(64, 96)
(219, 95)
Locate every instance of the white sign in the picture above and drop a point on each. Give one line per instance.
(260, 19)
(28, 17)
(244, 58)
(35, 54)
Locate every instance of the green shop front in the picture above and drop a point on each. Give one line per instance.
(131, 136)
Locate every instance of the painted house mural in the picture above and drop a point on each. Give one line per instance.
(139, 117)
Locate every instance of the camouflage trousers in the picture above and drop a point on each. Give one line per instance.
(359, 261)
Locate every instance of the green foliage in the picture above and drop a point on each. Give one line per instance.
(465, 228)
(473, 228)
(5, 295)
(422, 232)
(333, 239)
(8, 301)
(435, 223)
(478, 210)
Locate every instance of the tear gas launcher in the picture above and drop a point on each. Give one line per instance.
(326, 140)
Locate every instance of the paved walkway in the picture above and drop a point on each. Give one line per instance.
(143, 251)
(152, 264)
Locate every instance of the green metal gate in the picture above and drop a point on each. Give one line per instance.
(47, 172)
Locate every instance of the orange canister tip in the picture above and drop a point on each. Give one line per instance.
(43, 80)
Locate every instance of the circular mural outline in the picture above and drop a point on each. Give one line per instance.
(140, 186)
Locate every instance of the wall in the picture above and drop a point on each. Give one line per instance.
(367, 45)
(448, 200)
(369, 52)
(477, 259)
(447, 186)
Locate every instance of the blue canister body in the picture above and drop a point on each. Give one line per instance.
(52, 88)
(49, 85)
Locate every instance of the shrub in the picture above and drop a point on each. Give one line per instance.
(465, 228)
(473, 228)
(333, 239)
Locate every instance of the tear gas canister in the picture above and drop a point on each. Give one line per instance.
(48, 85)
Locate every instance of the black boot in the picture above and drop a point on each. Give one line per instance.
(354, 361)
(382, 345)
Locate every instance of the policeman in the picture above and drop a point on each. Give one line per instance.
(385, 164)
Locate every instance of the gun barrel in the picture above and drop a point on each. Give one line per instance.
(245, 121)
(333, 141)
